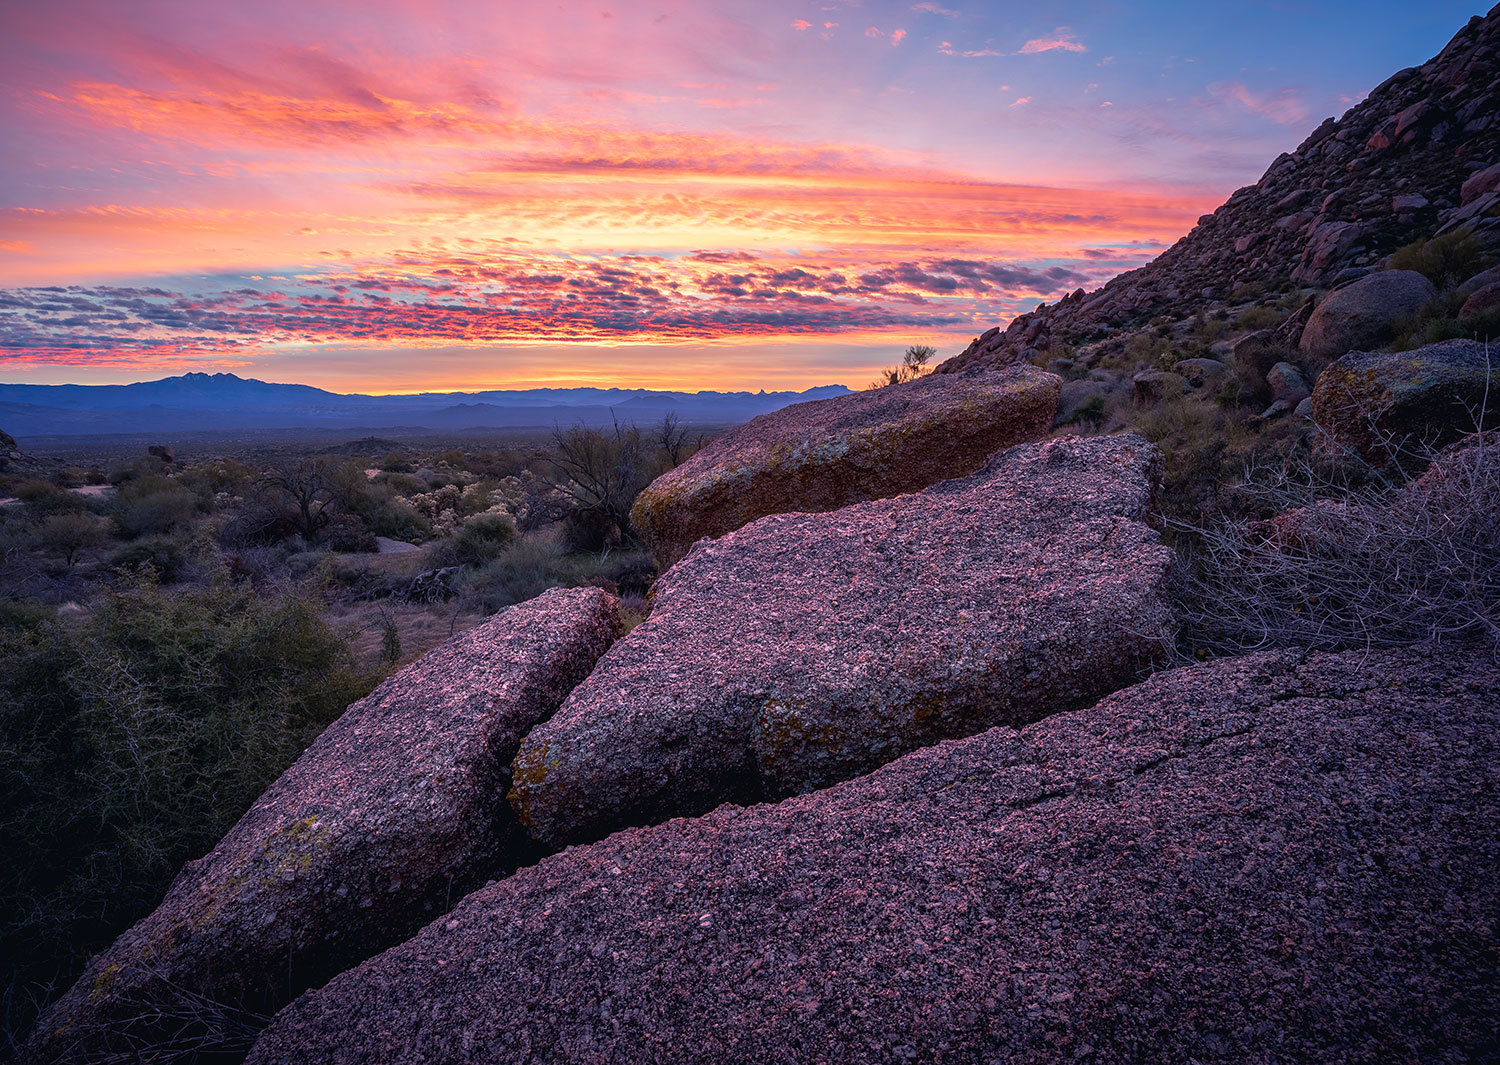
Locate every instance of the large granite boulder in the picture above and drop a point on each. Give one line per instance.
(392, 814)
(1379, 405)
(829, 453)
(808, 648)
(1275, 858)
(1364, 314)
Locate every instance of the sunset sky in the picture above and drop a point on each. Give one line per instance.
(394, 195)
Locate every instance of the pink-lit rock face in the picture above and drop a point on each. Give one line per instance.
(1260, 858)
(805, 649)
(826, 454)
(390, 816)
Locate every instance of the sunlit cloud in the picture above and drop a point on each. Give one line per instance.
(1062, 39)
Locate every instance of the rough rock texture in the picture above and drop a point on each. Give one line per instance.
(1375, 403)
(1287, 384)
(1198, 371)
(392, 814)
(1362, 315)
(808, 648)
(829, 453)
(1317, 212)
(1481, 301)
(1260, 860)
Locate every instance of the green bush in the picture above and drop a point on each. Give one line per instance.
(151, 505)
(44, 497)
(481, 539)
(1259, 318)
(130, 744)
(1445, 260)
(162, 557)
(524, 571)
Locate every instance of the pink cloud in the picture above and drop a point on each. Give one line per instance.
(1284, 106)
(1062, 38)
(802, 24)
(930, 8)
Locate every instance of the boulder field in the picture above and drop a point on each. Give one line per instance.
(826, 454)
(391, 815)
(1276, 858)
(804, 649)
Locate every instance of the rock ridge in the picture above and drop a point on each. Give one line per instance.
(808, 648)
(1282, 857)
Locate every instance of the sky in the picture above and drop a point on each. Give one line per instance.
(409, 195)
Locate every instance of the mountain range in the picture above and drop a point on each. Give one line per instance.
(223, 401)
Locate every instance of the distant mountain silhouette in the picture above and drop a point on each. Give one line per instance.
(202, 401)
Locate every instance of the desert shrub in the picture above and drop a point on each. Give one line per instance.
(1441, 322)
(912, 366)
(129, 744)
(44, 497)
(589, 530)
(348, 533)
(506, 462)
(597, 475)
(385, 513)
(1247, 290)
(480, 540)
(525, 570)
(1153, 350)
(71, 534)
(162, 557)
(402, 483)
(1353, 563)
(24, 616)
(1259, 318)
(1446, 259)
(152, 504)
(1090, 412)
(1208, 328)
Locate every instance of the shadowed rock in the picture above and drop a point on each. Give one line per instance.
(827, 454)
(1379, 404)
(809, 648)
(1481, 301)
(1365, 313)
(395, 811)
(1262, 859)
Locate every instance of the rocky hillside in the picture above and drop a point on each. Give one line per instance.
(1420, 155)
